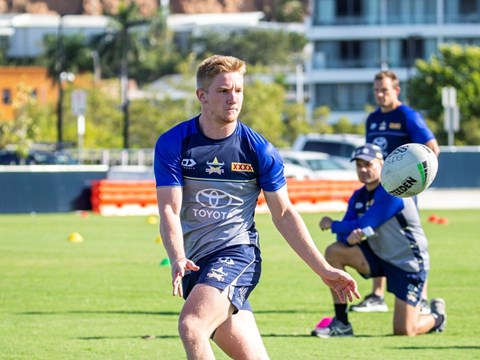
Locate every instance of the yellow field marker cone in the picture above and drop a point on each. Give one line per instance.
(152, 220)
(75, 237)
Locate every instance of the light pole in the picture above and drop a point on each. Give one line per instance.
(97, 71)
(60, 65)
(124, 88)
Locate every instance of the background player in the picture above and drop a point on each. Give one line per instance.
(397, 249)
(392, 124)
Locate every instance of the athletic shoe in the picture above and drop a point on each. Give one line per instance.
(371, 303)
(424, 307)
(335, 329)
(437, 307)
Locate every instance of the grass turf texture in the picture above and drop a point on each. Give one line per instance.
(98, 299)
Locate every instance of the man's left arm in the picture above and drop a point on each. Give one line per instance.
(433, 144)
(384, 207)
(419, 131)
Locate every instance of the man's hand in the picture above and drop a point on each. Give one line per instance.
(325, 223)
(178, 272)
(355, 237)
(342, 283)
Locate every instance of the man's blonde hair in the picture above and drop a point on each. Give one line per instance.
(216, 64)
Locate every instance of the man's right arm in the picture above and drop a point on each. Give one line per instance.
(169, 200)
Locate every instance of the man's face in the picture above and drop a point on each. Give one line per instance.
(223, 99)
(369, 171)
(385, 94)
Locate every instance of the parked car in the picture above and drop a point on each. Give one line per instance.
(317, 165)
(37, 157)
(298, 172)
(339, 146)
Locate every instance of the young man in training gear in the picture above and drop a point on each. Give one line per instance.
(209, 172)
(395, 246)
(392, 124)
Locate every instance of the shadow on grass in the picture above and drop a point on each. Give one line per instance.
(161, 313)
(285, 311)
(313, 337)
(459, 347)
(160, 337)
(116, 312)
(143, 337)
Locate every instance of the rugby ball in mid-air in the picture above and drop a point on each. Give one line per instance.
(408, 170)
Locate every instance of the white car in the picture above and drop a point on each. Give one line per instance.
(315, 165)
(339, 146)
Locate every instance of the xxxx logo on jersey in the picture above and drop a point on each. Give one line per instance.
(244, 167)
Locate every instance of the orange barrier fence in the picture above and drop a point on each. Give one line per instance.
(124, 197)
(314, 191)
(138, 197)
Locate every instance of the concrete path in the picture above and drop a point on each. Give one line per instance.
(450, 199)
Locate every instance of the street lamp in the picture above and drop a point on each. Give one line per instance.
(59, 67)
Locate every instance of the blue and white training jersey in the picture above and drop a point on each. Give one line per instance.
(398, 127)
(399, 237)
(221, 181)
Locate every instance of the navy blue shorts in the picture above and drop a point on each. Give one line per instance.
(235, 269)
(406, 286)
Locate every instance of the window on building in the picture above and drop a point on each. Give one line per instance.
(349, 8)
(411, 11)
(349, 53)
(467, 7)
(344, 97)
(7, 97)
(348, 11)
(412, 49)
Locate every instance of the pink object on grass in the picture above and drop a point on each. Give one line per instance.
(324, 322)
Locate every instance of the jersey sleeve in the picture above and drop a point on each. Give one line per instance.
(384, 207)
(417, 128)
(167, 160)
(271, 175)
(350, 215)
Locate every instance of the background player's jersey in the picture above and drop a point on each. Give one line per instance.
(221, 181)
(397, 127)
(399, 237)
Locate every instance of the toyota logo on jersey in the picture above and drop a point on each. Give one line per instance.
(217, 199)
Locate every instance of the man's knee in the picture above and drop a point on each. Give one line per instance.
(336, 254)
(189, 327)
(334, 251)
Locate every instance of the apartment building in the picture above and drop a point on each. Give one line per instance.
(353, 39)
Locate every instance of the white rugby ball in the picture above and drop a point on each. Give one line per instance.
(409, 169)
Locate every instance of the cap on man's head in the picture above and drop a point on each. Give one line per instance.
(367, 152)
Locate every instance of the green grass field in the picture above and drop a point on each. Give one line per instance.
(100, 298)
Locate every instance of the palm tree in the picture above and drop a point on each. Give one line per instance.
(118, 48)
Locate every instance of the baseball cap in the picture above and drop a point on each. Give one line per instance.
(367, 152)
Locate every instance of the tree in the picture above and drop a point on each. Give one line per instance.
(457, 66)
(277, 47)
(289, 11)
(76, 55)
(154, 117)
(159, 55)
(22, 130)
(119, 48)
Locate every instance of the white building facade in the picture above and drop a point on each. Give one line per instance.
(25, 32)
(353, 39)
